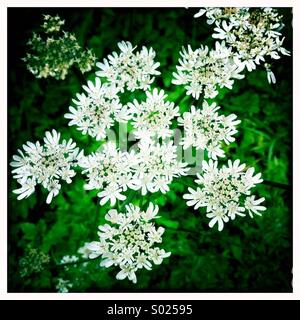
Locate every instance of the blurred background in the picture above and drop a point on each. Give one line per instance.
(249, 255)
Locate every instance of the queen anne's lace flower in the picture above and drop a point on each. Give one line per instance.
(110, 171)
(252, 34)
(203, 70)
(153, 117)
(129, 241)
(128, 69)
(205, 129)
(225, 192)
(158, 166)
(97, 110)
(45, 164)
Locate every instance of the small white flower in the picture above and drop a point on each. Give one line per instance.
(95, 248)
(152, 117)
(200, 13)
(129, 70)
(68, 259)
(111, 193)
(205, 129)
(225, 192)
(45, 164)
(195, 198)
(129, 241)
(253, 206)
(84, 251)
(223, 32)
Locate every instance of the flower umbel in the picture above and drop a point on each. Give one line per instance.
(253, 34)
(157, 167)
(225, 192)
(129, 70)
(111, 171)
(153, 117)
(97, 109)
(129, 241)
(203, 71)
(52, 54)
(45, 164)
(205, 129)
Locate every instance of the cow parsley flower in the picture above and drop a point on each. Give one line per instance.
(253, 34)
(111, 171)
(158, 166)
(53, 53)
(129, 240)
(225, 192)
(45, 164)
(152, 117)
(205, 129)
(97, 109)
(129, 70)
(203, 71)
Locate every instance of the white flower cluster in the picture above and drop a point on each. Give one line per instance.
(158, 166)
(52, 24)
(68, 259)
(253, 34)
(54, 51)
(63, 286)
(97, 110)
(45, 164)
(153, 117)
(129, 241)
(203, 71)
(225, 192)
(111, 171)
(205, 129)
(128, 69)
(151, 168)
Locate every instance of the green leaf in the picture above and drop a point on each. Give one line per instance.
(168, 223)
(237, 252)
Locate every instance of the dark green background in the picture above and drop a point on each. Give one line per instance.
(250, 255)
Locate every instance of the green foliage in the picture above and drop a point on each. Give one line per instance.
(248, 255)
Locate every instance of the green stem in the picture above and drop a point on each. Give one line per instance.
(60, 265)
(277, 184)
(128, 199)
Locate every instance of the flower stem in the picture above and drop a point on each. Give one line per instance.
(128, 199)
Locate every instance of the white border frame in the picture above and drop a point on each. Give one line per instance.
(3, 145)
